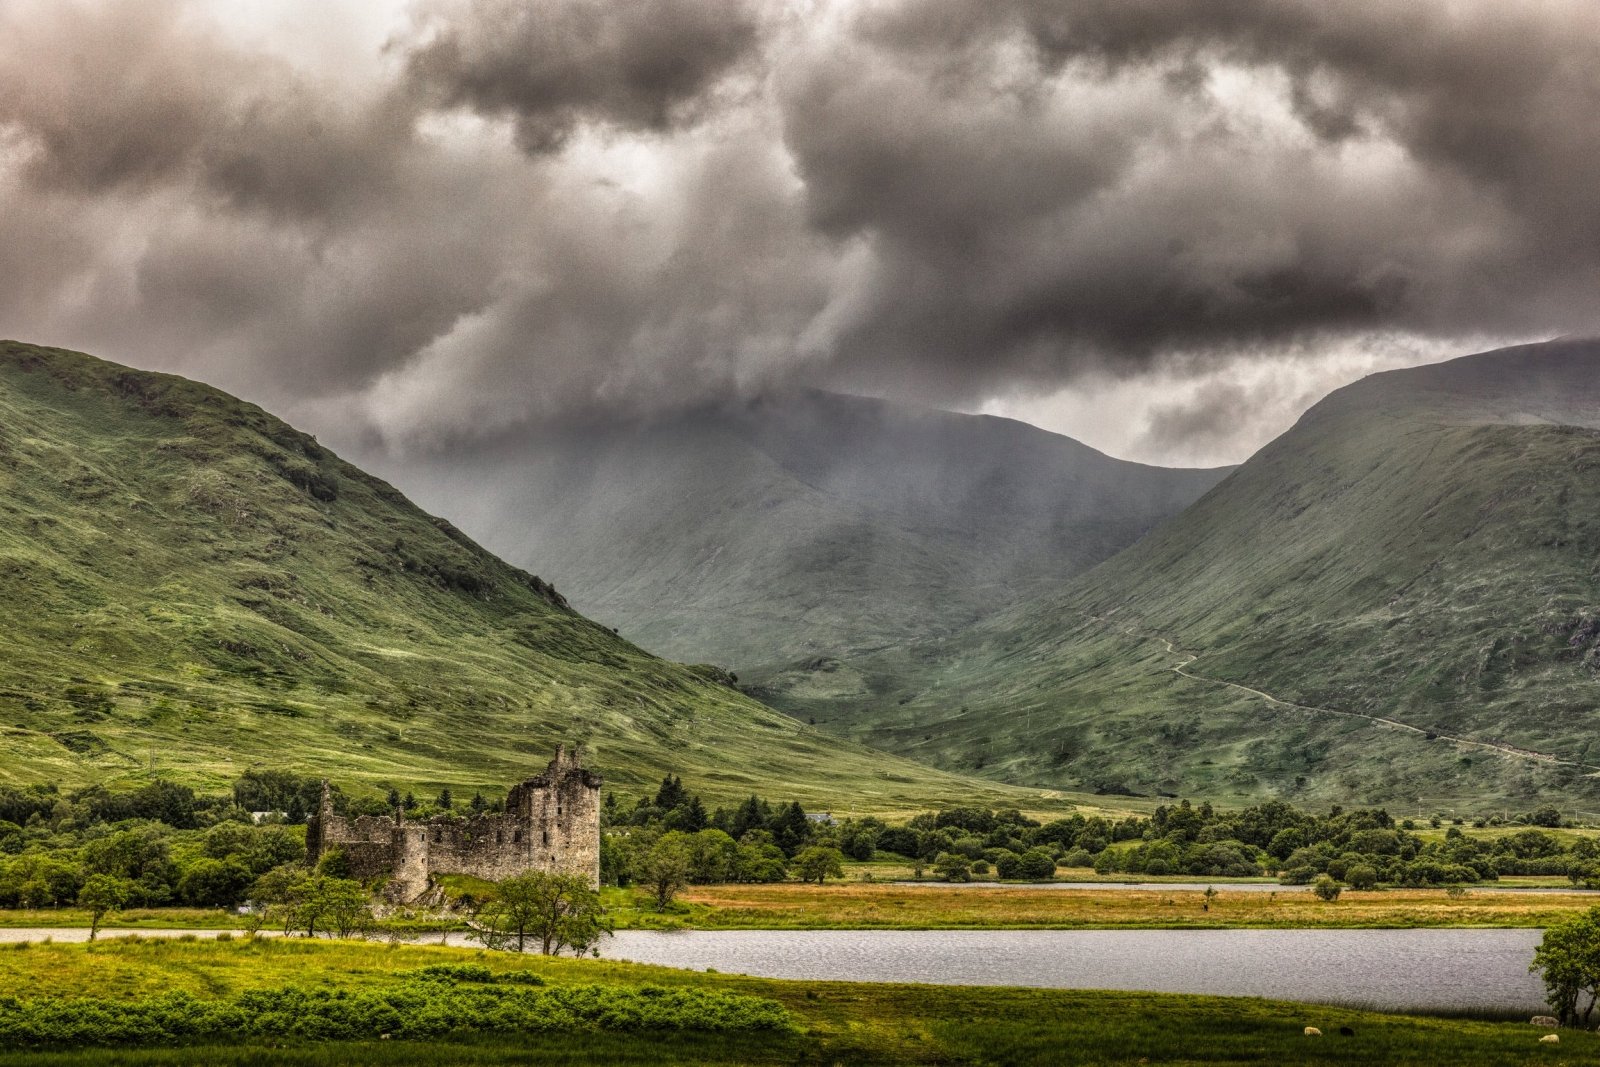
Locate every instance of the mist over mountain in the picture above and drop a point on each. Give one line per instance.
(1412, 571)
(804, 527)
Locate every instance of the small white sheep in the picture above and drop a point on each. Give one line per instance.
(1312, 1031)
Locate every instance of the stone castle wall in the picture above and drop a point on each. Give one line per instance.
(551, 823)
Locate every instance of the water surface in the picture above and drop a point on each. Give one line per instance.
(1397, 970)
(1393, 970)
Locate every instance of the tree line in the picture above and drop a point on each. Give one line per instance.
(163, 844)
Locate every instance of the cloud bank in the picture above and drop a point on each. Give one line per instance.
(453, 217)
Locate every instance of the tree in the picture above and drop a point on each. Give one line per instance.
(713, 857)
(479, 803)
(952, 867)
(761, 861)
(558, 911)
(1569, 961)
(211, 883)
(1036, 864)
(752, 815)
(1546, 816)
(446, 800)
(1326, 888)
(816, 862)
(665, 869)
(101, 894)
(346, 907)
(671, 794)
(340, 902)
(791, 830)
(1361, 876)
(859, 842)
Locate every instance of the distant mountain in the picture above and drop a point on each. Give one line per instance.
(189, 588)
(807, 528)
(1423, 547)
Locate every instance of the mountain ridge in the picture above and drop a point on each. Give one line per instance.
(190, 587)
(1421, 546)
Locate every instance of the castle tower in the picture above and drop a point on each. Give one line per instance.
(558, 818)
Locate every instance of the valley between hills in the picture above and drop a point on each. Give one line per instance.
(199, 598)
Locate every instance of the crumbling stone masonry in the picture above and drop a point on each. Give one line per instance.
(551, 823)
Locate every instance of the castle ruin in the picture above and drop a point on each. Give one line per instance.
(551, 823)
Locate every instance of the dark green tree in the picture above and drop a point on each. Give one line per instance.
(791, 830)
(815, 863)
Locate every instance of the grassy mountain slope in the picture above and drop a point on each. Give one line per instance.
(805, 528)
(1422, 547)
(190, 587)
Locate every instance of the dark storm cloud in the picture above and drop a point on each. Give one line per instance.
(129, 98)
(1054, 184)
(643, 64)
(492, 214)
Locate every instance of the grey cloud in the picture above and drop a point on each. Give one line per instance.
(946, 201)
(643, 64)
(125, 98)
(1437, 183)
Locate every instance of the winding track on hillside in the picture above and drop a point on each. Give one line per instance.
(1499, 747)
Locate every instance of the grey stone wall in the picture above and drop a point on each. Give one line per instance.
(551, 823)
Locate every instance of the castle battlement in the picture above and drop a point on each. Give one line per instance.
(551, 823)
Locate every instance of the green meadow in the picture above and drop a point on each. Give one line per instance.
(830, 1022)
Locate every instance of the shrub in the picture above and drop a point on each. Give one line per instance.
(415, 1009)
(952, 867)
(1297, 876)
(1326, 888)
(1037, 864)
(1361, 876)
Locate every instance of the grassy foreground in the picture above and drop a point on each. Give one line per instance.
(838, 1022)
(935, 906)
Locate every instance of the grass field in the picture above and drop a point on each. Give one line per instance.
(843, 1023)
(855, 905)
(935, 906)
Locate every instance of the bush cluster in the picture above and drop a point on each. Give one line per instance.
(413, 1009)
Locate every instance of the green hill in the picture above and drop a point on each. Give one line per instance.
(189, 588)
(804, 528)
(1422, 547)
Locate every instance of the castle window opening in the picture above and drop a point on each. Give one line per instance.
(546, 836)
(516, 838)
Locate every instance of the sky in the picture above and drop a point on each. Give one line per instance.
(1163, 228)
